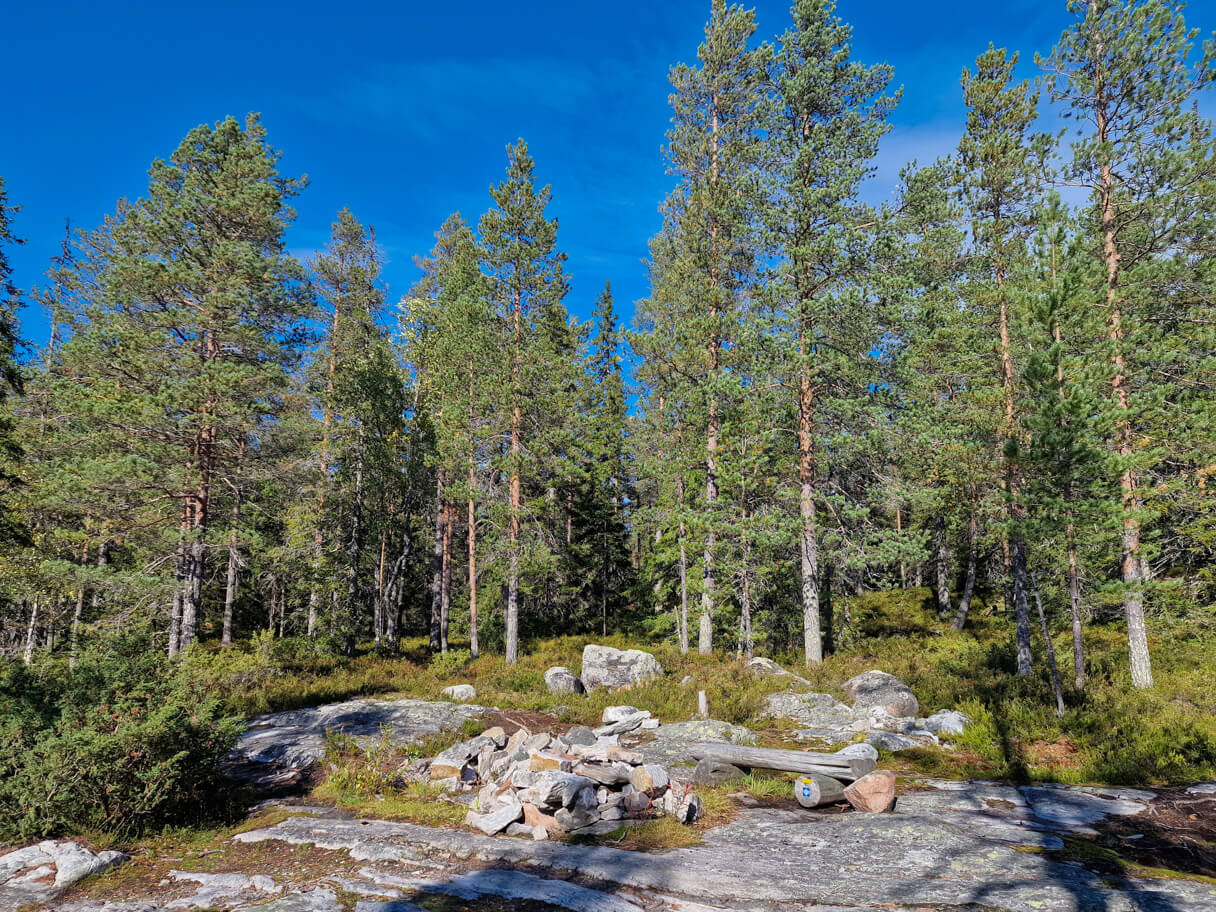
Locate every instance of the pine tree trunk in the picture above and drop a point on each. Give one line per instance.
(903, 567)
(437, 562)
(1132, 570)
(354, 554)
(234, 561)
(471, 521)
(445, 586)
(943, 567)
(474, 646)
(683, 618)
(515, 504)
(964, 604)
(77, 614)
(705, 636)
(1074, 601)
(1051, 653)
(827, 607)
(812, 635)
(28, 655)
(1021, 606)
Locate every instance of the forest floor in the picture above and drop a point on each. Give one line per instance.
(939, 851)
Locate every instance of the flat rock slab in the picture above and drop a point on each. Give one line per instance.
(673, 742)
(517, 886)
(1057, 808)
(925, 857)
(295, 740)
(815, 711)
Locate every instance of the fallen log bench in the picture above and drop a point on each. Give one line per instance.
(844, 769)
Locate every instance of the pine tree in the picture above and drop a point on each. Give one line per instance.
(822, 136)
(1123, 72)
(527, 284)
(452, 339)
(185, 317)
(10, 373)
(361, 406)
(712, 149)
(608, 489)
(1063, 446)
(1003, 167)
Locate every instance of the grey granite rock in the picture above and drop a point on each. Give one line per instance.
(561, 680)
(947, 722)
(921, 857)
(879, 689)
(604, 666)
(295, 740)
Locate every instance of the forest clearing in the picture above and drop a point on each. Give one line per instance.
(866, 559)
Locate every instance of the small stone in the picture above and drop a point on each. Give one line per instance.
(518, 829)
(861, 751)
(604, 773)
(518, 739)
(574, 819)
(650, 724)
(637, 803)
(461, 693)
(712, 773)
(622, 726)
(617, 713)
(537, 819)
(540, 834)
(650, 778)
(612, 813)
(498, 820)
(539, 762)
(580, 735)
(873, 793)
(561, 680)
(610, 753)
(497, 735)
(686, 680)
(889, 741)
(689, 810)
(537, 742)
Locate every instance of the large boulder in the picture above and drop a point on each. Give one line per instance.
(879, 690)
(280, 748)
(461, 693)
(947, 722)
(604, 666)
(561, 680)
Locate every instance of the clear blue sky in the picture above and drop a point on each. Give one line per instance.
(402, 111)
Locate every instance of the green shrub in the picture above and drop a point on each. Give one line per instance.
(451, 663)
(126, 741)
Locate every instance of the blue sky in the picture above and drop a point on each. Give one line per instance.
(402, 111)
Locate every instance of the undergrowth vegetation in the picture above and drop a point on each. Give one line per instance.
(128, 741)
(1109, 733)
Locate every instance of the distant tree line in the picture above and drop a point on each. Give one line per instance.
(1002, 383)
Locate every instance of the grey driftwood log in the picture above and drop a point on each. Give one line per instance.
(790, 761)
(815, 790)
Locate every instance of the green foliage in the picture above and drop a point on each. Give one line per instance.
(451, 663)
(124, 742)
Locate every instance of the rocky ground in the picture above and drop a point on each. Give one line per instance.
(946, 845)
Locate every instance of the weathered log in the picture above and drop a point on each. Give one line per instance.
(815, 790)
(789, 761)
